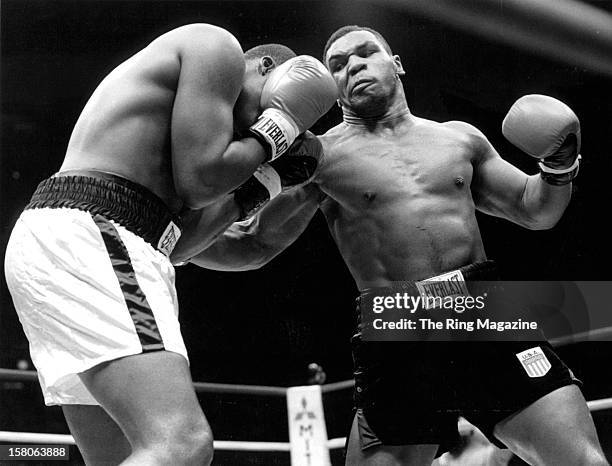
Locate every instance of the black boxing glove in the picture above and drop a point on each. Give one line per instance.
(294, 169)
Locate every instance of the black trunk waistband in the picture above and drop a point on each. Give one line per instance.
(127, 203)
(478, 271)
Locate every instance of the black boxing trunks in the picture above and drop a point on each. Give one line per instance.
(88, 269)
(413, 392)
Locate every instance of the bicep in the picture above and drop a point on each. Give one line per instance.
(251, 244)
(234, 251)
(288, 214)
(498, 186)
(212, 69)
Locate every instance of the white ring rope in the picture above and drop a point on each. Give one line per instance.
(598, 334)
(200, 387)
(600, 405)
(225, 445)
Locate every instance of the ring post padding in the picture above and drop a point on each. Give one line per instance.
(307, 431)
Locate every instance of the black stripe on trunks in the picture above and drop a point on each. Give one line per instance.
(135, 299)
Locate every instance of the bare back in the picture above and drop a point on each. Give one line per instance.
(398, 200)
(164, 117)
(124, 128)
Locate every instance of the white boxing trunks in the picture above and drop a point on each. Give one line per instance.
(87, 282)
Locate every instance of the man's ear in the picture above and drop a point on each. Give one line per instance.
(265, 65)
(399, 69)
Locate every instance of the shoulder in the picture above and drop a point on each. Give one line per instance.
(213, 45)
(335, 137)
(330, 142)
(469, 135)
(210, 58)
(201, 34)
(464, 130)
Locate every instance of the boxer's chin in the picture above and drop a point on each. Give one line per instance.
(368, 106)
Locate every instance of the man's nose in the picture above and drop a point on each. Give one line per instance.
(355, 65)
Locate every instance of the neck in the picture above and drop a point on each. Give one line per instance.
(394, 114)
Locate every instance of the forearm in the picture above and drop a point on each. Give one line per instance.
(285, 217)
(542, 204)
(225, 173)
(252, 244)
(235, 250)
(201, 227)
(238, 163)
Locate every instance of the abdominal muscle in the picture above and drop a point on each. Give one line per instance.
(407, 241)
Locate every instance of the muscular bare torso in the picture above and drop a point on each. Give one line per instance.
(398, 200)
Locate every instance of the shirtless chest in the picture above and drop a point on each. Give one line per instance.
(366, 171)
(399, 204)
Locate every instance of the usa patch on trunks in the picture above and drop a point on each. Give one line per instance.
(534, 361)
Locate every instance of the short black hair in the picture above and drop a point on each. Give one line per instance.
(344, 30)
(279, 53)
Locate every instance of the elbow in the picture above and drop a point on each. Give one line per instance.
(256, 265)
(260, 254)
(243, 267)
(196, 196)
(540, 222)
(540, 226)
(540, 213)
(248, 264)
(263, 255)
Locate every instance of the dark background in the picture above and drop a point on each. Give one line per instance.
(264, 327)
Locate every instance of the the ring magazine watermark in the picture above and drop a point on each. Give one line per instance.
(484, 310)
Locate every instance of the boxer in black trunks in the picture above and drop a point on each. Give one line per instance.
(399, 194)
(178, 128)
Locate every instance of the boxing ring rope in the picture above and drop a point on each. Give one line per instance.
(221, 445)
(225, 388)
(599, 334)
(64, 439)
(200, 387)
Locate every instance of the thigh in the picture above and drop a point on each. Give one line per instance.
(556, 429)
(97, 435)
(149, 395)
(377, 454)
